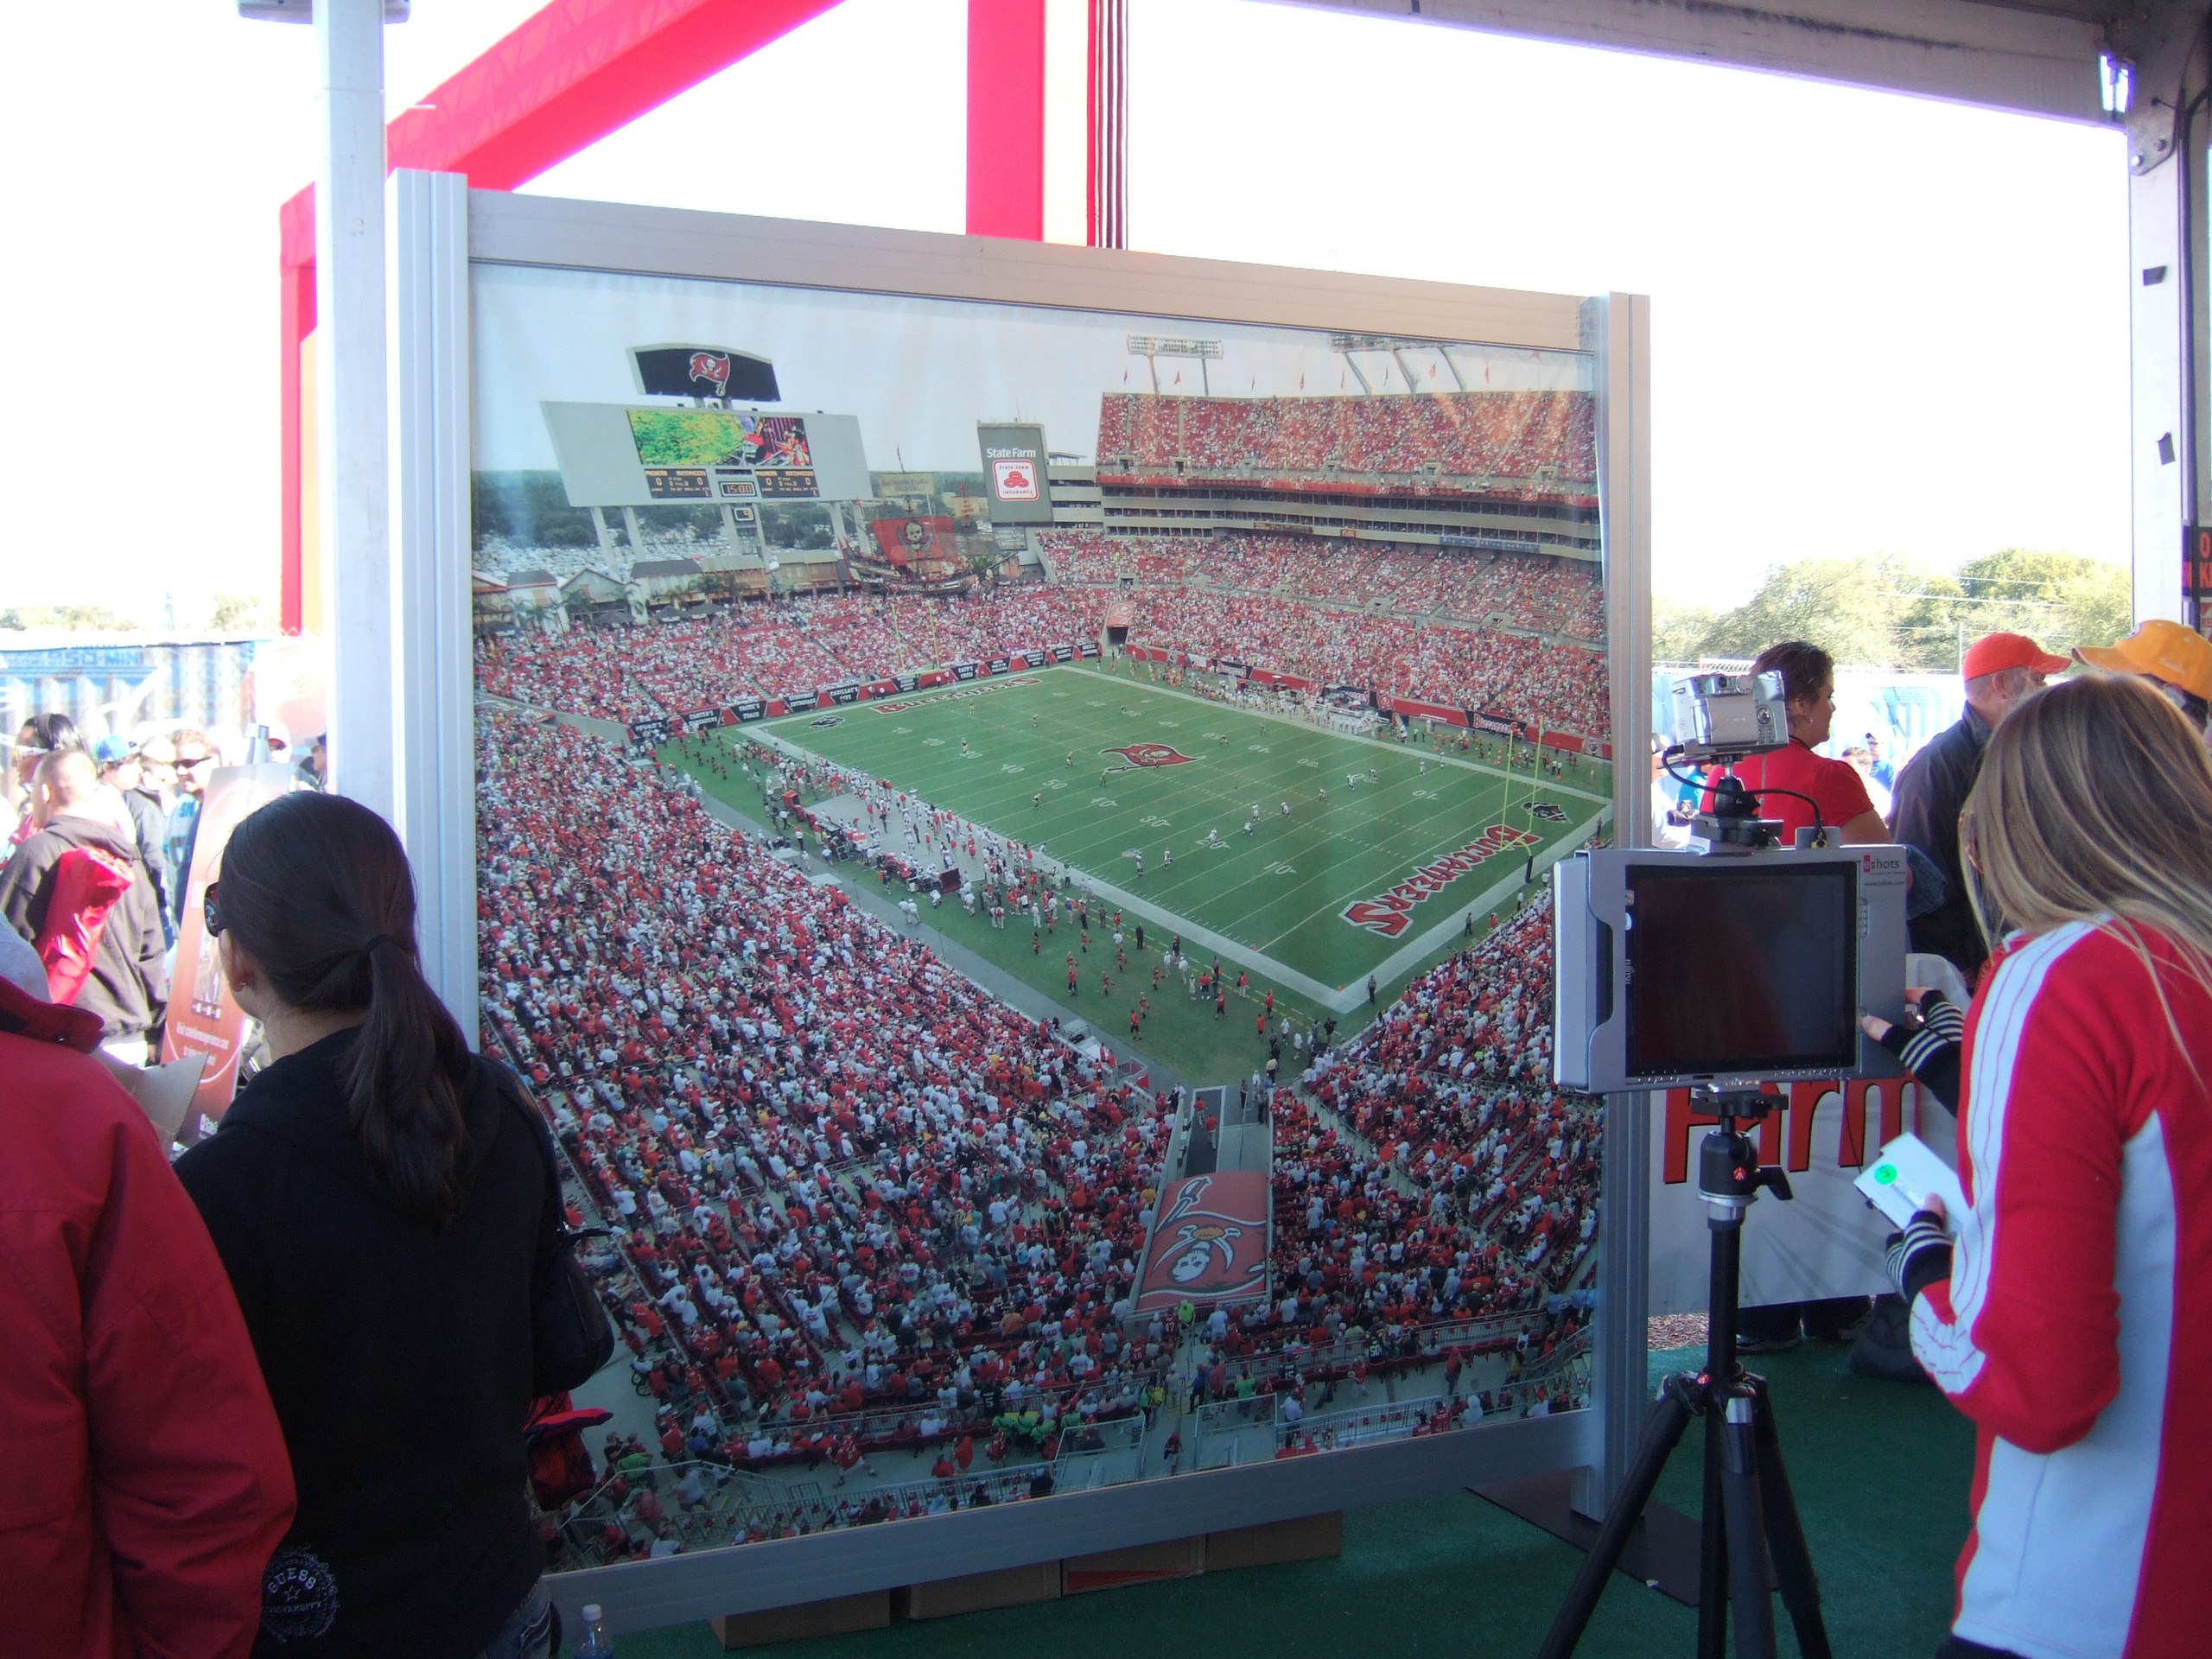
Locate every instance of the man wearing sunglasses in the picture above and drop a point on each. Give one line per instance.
(196, 765)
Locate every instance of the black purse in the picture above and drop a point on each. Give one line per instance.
(570, 1335)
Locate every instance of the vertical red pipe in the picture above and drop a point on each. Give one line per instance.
(1006, 118)
(296, 323)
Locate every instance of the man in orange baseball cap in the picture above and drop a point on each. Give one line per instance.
(2000, 669)
(2177, 659)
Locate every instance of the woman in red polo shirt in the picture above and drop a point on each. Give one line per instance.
(1809, 690)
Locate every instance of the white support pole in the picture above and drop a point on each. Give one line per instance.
(2168, 277)
(351, 467)
(1617, 328)
(435, 705)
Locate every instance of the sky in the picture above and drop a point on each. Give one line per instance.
(1880, 324)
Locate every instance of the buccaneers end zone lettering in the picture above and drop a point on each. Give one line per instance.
(1393, 913)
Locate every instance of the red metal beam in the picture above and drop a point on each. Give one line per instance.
(1006, 118)
(563, 79)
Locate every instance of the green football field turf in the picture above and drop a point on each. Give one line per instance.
(1274, 900)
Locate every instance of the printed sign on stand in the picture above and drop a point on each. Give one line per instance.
(204, 1017)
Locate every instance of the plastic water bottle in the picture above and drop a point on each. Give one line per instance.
(592, 1641)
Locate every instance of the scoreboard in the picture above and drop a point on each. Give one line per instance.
(625, 455)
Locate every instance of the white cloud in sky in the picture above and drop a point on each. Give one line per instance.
(1879, 324)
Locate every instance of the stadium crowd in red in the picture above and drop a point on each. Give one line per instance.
(861, 1205)
(1486, 434)
(1538, 592)
(765, 650)
(847, 1180)
(1451, 1087)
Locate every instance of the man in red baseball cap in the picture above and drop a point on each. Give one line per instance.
(2000, 669)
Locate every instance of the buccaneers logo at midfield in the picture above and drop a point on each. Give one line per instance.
(1147, 755)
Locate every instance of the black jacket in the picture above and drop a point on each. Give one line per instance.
(398, 1356)
(1931, 792)
(128, 986)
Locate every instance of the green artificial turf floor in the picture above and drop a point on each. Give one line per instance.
(1880, 1470)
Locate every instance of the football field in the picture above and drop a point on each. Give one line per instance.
(1382, 851)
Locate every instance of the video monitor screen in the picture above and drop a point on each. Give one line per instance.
(1742, 967)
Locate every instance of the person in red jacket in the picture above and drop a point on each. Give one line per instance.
(2066, 1315)
(144, 1471)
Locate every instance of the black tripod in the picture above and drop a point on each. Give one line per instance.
(1749, 1514)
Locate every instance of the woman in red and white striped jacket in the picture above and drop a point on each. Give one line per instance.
(2070, 1311)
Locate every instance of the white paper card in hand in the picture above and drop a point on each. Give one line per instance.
(1901, 1179)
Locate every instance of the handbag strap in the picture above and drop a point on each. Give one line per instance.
(551, 1221)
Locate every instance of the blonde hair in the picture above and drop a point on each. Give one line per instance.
(2095, 804)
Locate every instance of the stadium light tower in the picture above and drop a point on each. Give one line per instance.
(1153, 348)
(353, 459)
(1393, 345)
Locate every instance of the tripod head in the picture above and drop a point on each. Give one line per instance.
(1734, 823)
(1729, 1175)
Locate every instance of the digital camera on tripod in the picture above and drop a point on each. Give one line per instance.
(1734, 963)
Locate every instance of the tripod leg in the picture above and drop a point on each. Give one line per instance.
(1713, 1550)
(1739, 1486)
(1661, 1435)
(1785, 1533)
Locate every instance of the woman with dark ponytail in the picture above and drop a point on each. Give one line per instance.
(381, 1209)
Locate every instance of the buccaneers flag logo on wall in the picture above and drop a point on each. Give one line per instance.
(1147, 755)
(712, 368)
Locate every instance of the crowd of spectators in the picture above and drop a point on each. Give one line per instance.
(856, 1198)
(1517, 436)
(1250, 600)
(1450, 1087)
(1533, 592)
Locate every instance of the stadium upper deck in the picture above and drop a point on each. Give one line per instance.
(1504, 470)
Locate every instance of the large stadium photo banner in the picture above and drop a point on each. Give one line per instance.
(1014, 864)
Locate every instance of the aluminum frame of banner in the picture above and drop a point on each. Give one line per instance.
(435, 389)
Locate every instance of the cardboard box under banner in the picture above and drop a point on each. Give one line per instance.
(839, 1617)
(1010, 1586)
(1309, 1538)
(1178, 1558)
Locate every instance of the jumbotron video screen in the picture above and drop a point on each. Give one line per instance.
(1033, 944)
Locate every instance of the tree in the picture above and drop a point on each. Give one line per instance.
(66, 618)
(2062, 600)
(1679, 631)
(239, 614)
(1882, 611)
(1851, 607)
